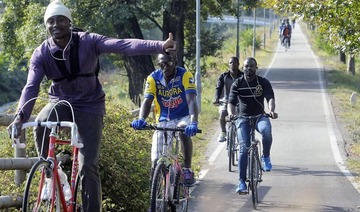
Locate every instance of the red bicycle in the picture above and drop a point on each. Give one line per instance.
(47, 188)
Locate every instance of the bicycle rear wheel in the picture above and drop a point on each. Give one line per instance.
(78, 206)
(38, 189)
(158, 190)
(254, 176)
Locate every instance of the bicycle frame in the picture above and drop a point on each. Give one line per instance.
(255, 144)
(254, 168)
(53, 165)
(168, 168)
(170, 159)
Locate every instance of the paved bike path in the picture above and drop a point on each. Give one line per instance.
(308, 172)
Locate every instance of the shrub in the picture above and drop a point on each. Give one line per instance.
(124, 162)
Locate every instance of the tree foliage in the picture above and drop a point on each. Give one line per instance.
(24, 28)
(338, 19)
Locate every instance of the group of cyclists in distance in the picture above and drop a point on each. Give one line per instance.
(70, 60)
(285, 30)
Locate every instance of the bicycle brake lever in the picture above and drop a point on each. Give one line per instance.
(16, 143)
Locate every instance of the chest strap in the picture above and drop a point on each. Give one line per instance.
(74, 63)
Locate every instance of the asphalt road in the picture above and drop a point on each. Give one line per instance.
(307, 153)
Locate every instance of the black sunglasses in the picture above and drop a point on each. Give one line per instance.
(166, 64)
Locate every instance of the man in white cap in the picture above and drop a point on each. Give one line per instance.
(70, 60)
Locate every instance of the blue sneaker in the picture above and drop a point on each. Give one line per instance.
(242, 188)
(189, 179)
(266, 163)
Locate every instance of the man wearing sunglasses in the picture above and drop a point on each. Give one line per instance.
(172, 89)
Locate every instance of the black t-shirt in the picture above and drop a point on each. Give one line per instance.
(250, 95)
(224, 83)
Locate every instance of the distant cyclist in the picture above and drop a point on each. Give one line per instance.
(222, 91)
(286, 32)
(172, 90)
(281, 27)
(251, 91)
(293, 20)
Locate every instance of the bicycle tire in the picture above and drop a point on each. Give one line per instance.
(158, 203)
(253, 177)
(286, 44)
(78, 206)
(35, 200)
(235, 146)
(181, 194)
(230, 152)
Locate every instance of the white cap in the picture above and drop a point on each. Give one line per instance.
(56, 8)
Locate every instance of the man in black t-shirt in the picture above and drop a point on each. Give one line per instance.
(250, 92)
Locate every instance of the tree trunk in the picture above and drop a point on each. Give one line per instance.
(173, 21)
(351, 65)
(137, 67)
(342, 57)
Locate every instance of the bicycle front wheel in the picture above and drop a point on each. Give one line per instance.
(78, 206)
(181, 194)
(158, 200)
(254, 176)
(39, 189)
(230, 149)
(235, 146)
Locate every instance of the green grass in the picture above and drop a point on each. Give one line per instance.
(340, 86)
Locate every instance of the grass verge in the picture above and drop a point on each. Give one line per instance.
(340, 86)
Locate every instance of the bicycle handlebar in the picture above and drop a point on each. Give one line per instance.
(49, 124)
(174, 129)
(229, 119)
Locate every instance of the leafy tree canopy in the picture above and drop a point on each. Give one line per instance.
(338, 19)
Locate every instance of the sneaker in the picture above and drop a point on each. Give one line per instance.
(266, 163)
(242, 188)
(189, 179)
(222, 137)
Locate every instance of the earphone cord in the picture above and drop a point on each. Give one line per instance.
(63, 52)
(253, 92)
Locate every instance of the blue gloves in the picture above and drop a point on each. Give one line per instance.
(191, 129)
(139, 124)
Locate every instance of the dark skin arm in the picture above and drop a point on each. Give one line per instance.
(230, 109)
(193, 107)
(145, 108)
(271, 105)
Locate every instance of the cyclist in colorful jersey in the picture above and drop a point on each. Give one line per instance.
(222, 91)
(172, 89)
(250, 91)
(71, 64)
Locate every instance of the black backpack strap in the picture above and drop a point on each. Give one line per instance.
(74, 62)
(61, 64)
(74, 55)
